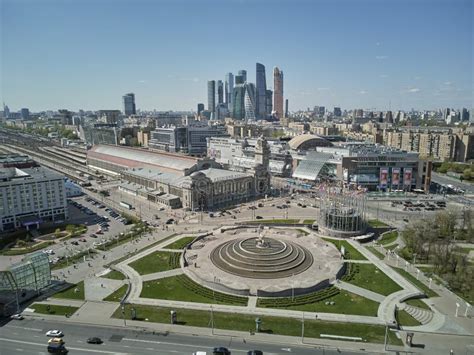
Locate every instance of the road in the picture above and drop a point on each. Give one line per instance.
(447, 180)
(28, 337)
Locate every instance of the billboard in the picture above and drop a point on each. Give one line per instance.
(383, 180)
(407, 174)
(395, 177)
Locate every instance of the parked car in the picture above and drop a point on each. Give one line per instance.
(17, 316)
(94, 340)
(255, 352)
(221, 351)
(259, 217)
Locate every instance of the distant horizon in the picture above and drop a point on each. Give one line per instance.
(368, 54)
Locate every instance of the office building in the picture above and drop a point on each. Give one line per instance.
(25, 114)
(31, 196)
(129, 104)
(464, 115)
(243, 74)
(109, 116)
(278, 92)
(228, 88)
(250, 99)
(220, 92)
(261, 108)
(238, 100)
(190, 139)
(286, 108)
(239, 79)
(200, 108)
(211, 95)
(337, 112)
(268, 102)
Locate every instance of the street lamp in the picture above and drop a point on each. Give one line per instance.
(123, 314)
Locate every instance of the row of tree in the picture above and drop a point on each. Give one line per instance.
(435, 240)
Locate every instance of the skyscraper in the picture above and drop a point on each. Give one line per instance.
(200, 108)
(238, 101)
(129, 104)
(239, 79)
(249, 102)
(25, 114)
(268, 101)
(229, 86)
(278, 92)
(243, 73)
(220, 92)
(286, 108)
(261, 91)
(211, 95)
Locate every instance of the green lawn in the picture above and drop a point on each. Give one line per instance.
(370, 277)
(309, 221)
(351, 253)
(70, 292)
(344, 303)
(117, 295)
(416, 302)
(428, 292)
(405, 319)
(182, 288)
(79, 257)
(375, 223)
(155, 262)
(53, 309)
(376, 252)
(180, 243)
(114, 275)
(270, 325)
(388, 237)
(270, 221)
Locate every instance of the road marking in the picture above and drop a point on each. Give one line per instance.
(26, 328)
(150, 349)
(286, 349)
(71, 348)
(18, 349)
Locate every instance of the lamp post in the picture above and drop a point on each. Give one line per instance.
(467, 309)
(123, 314)
(302, 328)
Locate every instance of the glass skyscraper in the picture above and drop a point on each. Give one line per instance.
(211, 95)
(129, 104)
(243, 73)
(220, 92)
(278, 92)
(229, 86)
(261, 91)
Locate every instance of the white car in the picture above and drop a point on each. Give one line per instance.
(17, 316)
(54, 333)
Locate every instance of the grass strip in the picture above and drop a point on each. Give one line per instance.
(376, 252)
(180, 243)
(405, 319)
(117, 295)
(70, 292)
(269, 325)
(420, 285)
(156, 262)
(182, 288)
(114, 275)
(370, 277)
(351, 253)
(388, 237)
(53, 309)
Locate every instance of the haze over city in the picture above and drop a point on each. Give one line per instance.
(368, 54)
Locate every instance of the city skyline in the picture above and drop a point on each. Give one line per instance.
(396, 59)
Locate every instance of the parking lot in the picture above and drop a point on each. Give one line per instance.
(102, 224)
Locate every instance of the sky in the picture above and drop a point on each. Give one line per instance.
(370, 54)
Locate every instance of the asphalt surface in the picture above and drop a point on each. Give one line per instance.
(28, 337)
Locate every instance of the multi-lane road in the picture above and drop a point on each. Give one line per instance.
(28, 337)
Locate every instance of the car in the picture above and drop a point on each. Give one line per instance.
(55, 341)
(170, 221)
(255, 352)
(259, 217)
(17, 316)
(94, 340)
(54, 333)
(221, 351)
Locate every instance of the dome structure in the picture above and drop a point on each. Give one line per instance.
(307, 141)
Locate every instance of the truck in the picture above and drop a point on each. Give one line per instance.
(57, 348)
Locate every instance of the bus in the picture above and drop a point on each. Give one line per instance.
(126, 205)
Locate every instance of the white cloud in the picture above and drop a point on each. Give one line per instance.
(413, 90)
(363, 92)
(380, 57)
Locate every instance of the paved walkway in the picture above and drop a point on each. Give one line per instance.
(162, 274)
(360, 291)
